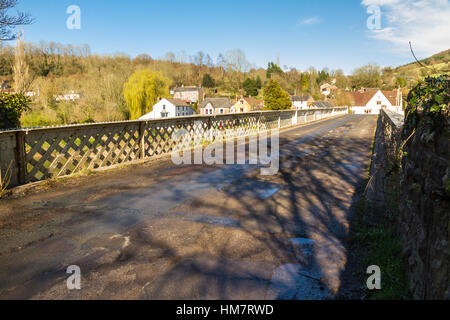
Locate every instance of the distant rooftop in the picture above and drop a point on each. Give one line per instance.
(300, 98)
(322, 105)
(178, 102)
(217, 102)
(186, 89)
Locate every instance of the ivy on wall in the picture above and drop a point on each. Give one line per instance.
(428, 104)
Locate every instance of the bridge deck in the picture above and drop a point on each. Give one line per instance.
(160, 231)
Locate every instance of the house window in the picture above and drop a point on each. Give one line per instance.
(221, 111)
(379, 103)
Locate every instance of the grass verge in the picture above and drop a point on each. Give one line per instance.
(375, 234)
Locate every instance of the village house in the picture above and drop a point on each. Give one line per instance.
(189, 94)
(169, 108)
(241, 106)
(212, 106)
(70, 96)
(247, 105)
(301, 102)
(371, 101)
(326, 88)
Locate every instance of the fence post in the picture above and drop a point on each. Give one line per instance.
(210, 128)
(259, 122)
(279, 121)
(20, 157)
(142, 140)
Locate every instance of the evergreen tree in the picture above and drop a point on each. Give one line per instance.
(304, 83)
(258, 82)
(276, 98)
(250, 87)
(273, 68)
(323, 76)
(208, 81)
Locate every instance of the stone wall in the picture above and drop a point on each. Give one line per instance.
(420, 148)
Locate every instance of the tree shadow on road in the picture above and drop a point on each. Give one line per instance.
(257, 237)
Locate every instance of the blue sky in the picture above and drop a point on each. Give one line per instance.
(302, 33)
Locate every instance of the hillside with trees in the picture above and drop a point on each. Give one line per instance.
(106, 84)
(104, 81)
(414, 72)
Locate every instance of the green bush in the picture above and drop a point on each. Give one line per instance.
(11, 107)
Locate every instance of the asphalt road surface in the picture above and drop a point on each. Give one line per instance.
(161, 231)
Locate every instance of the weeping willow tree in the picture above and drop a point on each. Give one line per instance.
(142, 90)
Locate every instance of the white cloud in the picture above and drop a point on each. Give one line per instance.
(426, 23)
(311, 20)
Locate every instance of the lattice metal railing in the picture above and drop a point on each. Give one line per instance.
(44, 153)
(62, 152)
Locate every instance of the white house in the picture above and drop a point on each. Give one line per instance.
(301, 102)
(371, 102)
(70, 96)
(326, 88)
(169, 108)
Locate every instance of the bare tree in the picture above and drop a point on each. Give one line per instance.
(22, 77)
(237, 61)
(199, 59)
(8, 23)
(170, 56)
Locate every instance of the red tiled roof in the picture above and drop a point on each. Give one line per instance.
(391, 96)
(362, 98)
(252, 101)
